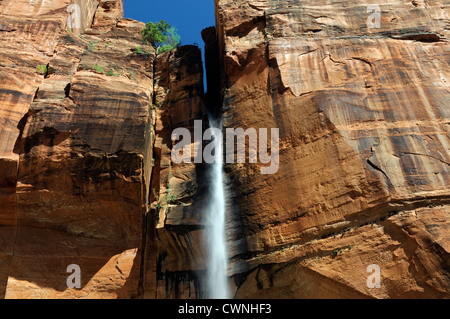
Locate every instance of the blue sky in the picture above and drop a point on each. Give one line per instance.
(190, 17)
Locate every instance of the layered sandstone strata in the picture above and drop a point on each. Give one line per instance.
(363, 114)
(78, 175)
(86, 175)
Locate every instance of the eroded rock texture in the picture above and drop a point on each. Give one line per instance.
(82, 111)
(364, 176)
(86, 174)
(174, 261)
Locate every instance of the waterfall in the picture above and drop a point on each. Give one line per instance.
(216, 266)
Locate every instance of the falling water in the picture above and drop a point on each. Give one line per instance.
(217, 281)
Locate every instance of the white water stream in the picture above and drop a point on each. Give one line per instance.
(216, 268)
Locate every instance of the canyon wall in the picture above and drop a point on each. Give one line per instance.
(174, 256)
(86, 116)
(363, 112)
(86, 175)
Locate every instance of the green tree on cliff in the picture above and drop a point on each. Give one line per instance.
(161, 35)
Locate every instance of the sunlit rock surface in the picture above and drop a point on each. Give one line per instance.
(364, 176)
(79, 124)
(86, 175)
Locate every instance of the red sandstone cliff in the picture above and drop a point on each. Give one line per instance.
(86, 175)
(83, 152)
(364, 147)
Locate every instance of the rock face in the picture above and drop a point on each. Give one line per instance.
(87, 178)
(174, 258)
(363, 113)
(82, 116)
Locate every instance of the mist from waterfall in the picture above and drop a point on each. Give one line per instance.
(216, 267)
